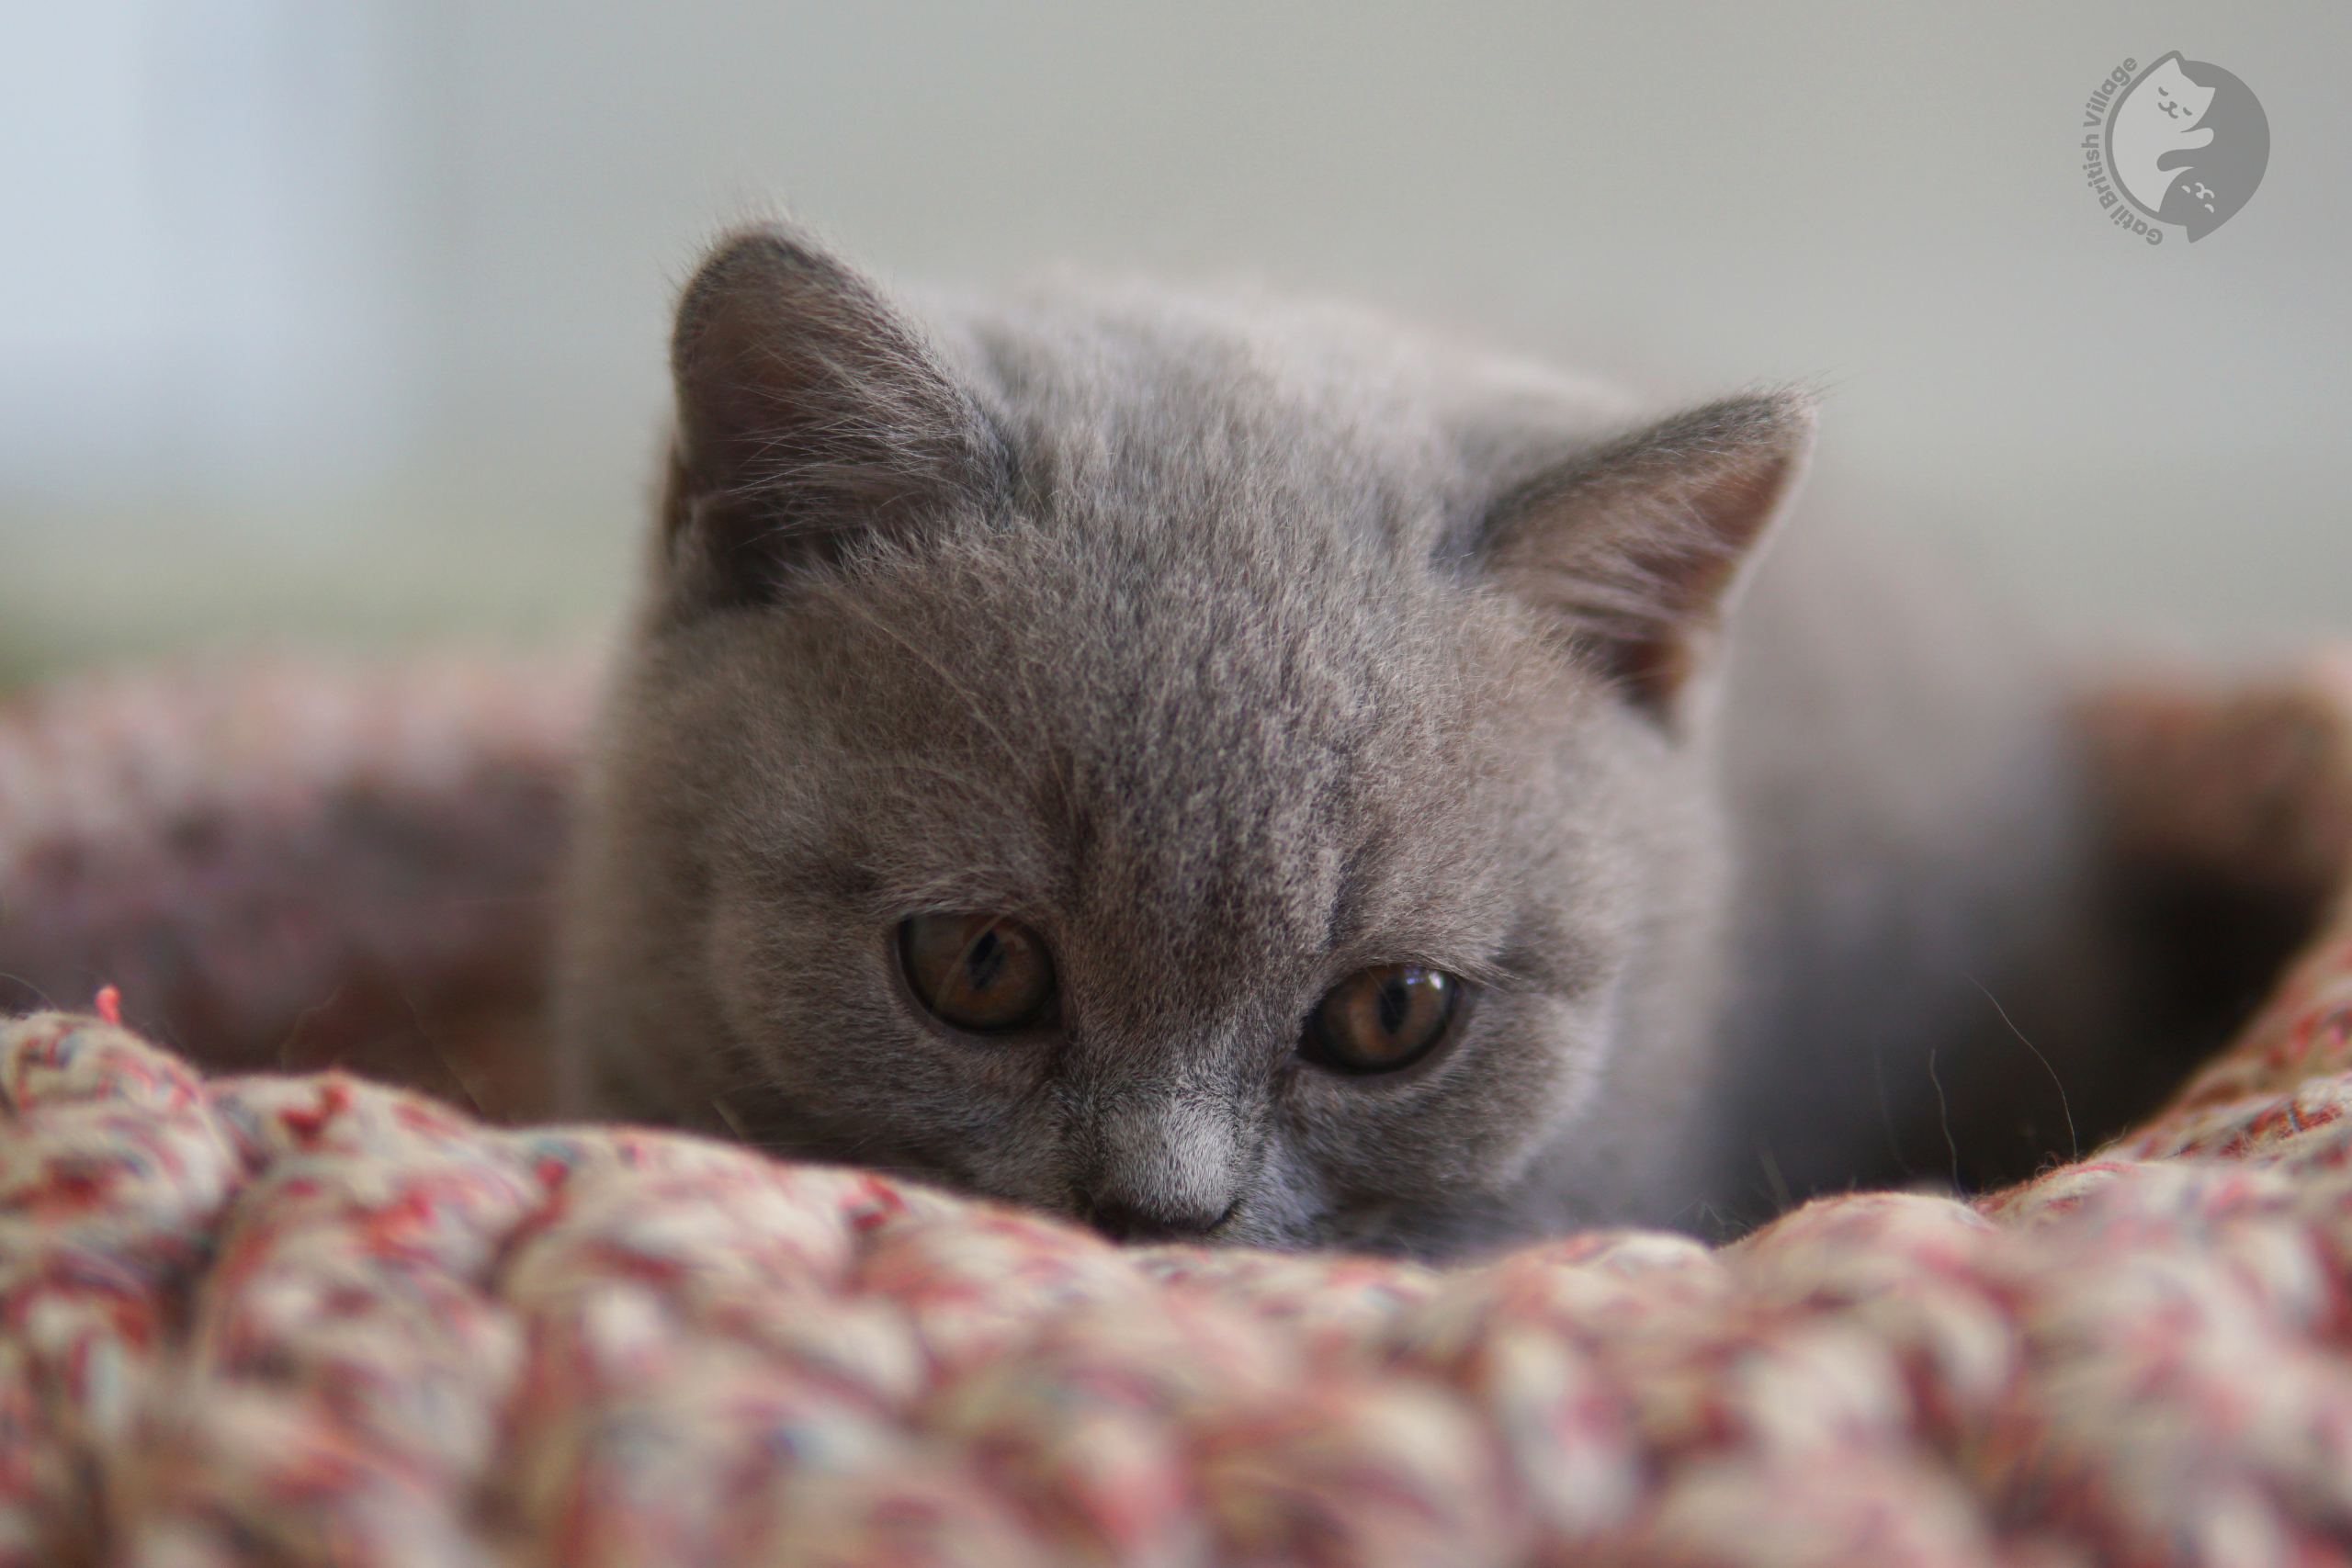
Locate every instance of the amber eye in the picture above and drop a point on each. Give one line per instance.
(1378, 1020)
(982, 973)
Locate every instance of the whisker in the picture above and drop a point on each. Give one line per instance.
(1943, 1115)
(442, 1055)
(734, 1122)
(49, 1003)
(1782, 1200)
(2072, 1143)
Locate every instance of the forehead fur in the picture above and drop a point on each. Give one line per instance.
(1122, 405)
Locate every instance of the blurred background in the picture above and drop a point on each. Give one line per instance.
(345, 321)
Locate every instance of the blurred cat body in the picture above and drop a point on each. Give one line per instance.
(1234, 647)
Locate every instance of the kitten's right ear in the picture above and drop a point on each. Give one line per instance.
(811, 415)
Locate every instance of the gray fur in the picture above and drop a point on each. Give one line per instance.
(1234, 646)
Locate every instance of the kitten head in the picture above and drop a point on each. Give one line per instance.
(1210, 768)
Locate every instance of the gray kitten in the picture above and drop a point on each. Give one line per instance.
(1232, 769)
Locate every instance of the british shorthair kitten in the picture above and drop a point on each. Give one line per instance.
(1227, 769)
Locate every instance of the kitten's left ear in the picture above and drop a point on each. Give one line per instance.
(1637, 545)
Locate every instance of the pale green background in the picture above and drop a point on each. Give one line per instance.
(346, 322)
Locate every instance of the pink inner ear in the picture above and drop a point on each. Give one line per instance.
(1637, 546)
(1726, 516)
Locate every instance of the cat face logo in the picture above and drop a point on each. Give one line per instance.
(2188, 144)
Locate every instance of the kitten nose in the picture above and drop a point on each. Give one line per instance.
(1127, 1221)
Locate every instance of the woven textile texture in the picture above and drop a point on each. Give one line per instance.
(307, 1318)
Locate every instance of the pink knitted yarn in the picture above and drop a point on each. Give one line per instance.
(307, 1319)
(311, 1320)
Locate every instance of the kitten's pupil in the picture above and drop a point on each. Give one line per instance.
(1381, 1018)
(983, 961)
(982, 973)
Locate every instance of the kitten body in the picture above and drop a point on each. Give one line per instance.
(1235, 648)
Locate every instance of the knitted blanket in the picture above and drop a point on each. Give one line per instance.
(308, 1319)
